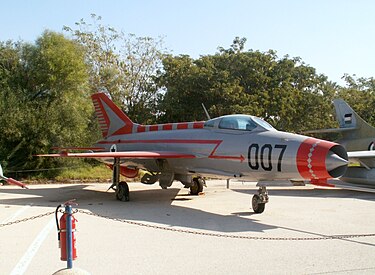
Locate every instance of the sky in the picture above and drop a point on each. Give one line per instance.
(336, 37)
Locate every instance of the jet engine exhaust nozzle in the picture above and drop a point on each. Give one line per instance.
(337, 161)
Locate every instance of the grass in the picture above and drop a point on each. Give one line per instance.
(82, 172)
(79, 172)
(86, 173)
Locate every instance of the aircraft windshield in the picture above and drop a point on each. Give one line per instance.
(263, 123)
(238, 122)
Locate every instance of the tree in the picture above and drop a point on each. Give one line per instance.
(44, 99)
(360, 95)
(123, 65)
(279, 90)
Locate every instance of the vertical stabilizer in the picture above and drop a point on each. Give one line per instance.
(112, 119)
(349, 119)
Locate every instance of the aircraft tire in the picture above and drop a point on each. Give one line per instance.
(122, 194)
(257, 207)
(197, 186)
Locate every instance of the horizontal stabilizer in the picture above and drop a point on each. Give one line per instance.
(364, 158)
(361, 154)
(10, 180)
(352, 186)
(16, 182)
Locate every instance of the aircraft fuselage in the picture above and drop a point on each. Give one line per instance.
(251, 155)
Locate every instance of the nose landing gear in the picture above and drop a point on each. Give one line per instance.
(197, 186)
(259, 200)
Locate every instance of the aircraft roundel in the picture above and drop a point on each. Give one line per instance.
(113, 148)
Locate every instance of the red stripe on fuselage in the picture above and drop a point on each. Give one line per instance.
(154, 127)
(181, 141)
(198, 125)
(167, 126)
(170, 126)
(141, 129)
(182, 126)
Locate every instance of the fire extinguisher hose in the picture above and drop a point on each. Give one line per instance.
(57, 222)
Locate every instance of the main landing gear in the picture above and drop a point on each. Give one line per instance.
(259, 200)
(122, 191)
(121, 188)
(197, 186)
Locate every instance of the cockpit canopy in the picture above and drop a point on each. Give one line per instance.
(239, 122)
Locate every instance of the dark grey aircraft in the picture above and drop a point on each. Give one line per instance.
(358, 137)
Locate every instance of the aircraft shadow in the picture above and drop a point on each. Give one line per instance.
(316, 192)
(152, 205)
(310, 193)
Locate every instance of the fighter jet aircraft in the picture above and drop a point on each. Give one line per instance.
(358, 137)
(231, 146)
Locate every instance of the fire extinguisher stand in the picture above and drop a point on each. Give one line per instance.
(67, 243)
(69, 239)
(65, 230)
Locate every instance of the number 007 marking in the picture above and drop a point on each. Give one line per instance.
(262, 156)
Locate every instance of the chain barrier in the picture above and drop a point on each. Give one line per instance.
(200, 233)
(27, 219)
(229, 236)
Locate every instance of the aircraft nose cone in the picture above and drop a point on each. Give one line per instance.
(334, 161)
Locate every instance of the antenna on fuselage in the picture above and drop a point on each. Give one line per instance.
(205, 110)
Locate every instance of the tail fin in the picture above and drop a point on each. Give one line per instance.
(112, 119)
(349, 120)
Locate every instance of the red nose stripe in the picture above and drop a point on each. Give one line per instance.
(311, 158)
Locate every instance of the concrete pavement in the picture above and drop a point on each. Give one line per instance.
(112, 246)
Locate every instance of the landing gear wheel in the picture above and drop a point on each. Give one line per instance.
(197, 186)
(257, 205)
(122, 192)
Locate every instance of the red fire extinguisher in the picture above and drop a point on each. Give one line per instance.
(62, 233)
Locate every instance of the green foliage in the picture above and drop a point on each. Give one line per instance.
(285, 92)
(45, 90)
(44, 99)
(360, 95)
(123, 65)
